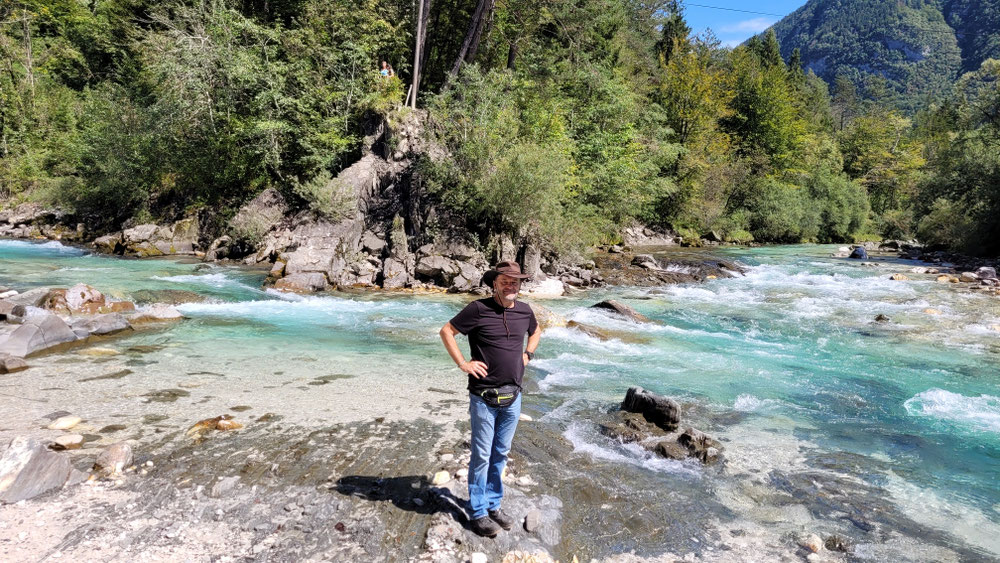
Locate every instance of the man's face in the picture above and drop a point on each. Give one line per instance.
(507, 287)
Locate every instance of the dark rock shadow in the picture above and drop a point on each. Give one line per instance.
(412, 493)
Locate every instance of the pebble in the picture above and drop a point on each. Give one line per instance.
(812, 542)
(932, 311)
(440, 478)
(65, 423)
(462, 473)
(69, 442)
(898, 277)
(526, 418)
(478, 557)
(447, 457)
(532, 520)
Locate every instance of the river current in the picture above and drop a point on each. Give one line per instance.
(885, 433)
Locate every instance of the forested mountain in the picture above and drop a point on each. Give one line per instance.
(562, 122)
(919, 47)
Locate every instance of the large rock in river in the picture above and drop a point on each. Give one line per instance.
(661, 411)
(37, 333)
(623, 310)
(859, 253)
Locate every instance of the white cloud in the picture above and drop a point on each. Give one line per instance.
(755, 25)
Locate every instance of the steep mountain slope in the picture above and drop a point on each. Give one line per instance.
(919, 47)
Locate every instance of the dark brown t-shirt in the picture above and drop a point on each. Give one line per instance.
(496, 338)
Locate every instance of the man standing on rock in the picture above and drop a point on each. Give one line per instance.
(496, 327)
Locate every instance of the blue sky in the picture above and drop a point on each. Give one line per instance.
(732, 27)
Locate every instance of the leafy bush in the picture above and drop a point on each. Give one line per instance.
(327, 196)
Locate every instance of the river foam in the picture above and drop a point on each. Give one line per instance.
(980, 413)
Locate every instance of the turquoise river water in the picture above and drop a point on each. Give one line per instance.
(784, 365)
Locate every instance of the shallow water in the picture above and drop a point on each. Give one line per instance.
(784, 365)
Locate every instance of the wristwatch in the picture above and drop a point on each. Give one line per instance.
(531, 355)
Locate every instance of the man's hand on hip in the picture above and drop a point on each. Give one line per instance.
(475, 368)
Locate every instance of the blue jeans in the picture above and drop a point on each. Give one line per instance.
(492, 432)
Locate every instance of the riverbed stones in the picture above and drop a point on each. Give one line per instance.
(113, 459)
(622, 309)
(898, 277)
(969, 277)
(440, 478)
(68, 442)
(661, 411)
(859, 253)
(12, 364)
(64, 422)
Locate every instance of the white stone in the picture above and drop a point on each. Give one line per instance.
(526, 418)
(65, 422)
(440, 478)
(478, 557)
(69, 441)
(447, 457)
(7, 294)
(462, 473)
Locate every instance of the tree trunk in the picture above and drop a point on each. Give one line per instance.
(511, 55)
(423, 8)
(475, 28)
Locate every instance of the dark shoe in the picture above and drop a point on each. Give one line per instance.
(485, 527)
(505, 521)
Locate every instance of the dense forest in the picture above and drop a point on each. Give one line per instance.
(563, 121)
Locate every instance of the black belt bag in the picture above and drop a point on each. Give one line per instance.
(500, 396)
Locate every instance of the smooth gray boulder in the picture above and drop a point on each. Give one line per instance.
(108, 323)
(28, 469)
(986, 273)
(304, 282)
(36, 334)
(31, 298)
(661, 411)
